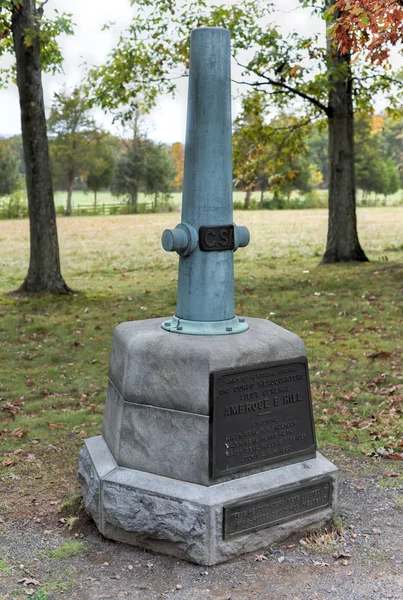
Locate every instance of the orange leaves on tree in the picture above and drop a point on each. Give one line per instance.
(370, 25)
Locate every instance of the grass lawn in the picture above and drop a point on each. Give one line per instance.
(54, 352)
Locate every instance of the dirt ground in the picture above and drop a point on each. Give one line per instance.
(363, 561)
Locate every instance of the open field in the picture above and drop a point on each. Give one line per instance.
(86, 199)
(54, 351)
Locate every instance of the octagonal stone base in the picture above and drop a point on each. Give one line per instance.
(204, 524)
(158, 403)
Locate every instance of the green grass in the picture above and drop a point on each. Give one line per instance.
(69, 549)
(54, 351)
(4, 568)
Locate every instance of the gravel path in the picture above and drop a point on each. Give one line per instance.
(365, 561)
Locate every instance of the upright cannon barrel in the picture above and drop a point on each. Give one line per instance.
(207, 237)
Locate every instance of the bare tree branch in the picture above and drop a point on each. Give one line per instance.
(287, 88)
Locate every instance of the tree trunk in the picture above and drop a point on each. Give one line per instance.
(44, 263)
(261, 197)
(133, 200)
(248, 196)
(342, 239)
(70, 182)
(95, 200)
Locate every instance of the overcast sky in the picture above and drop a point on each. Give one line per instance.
(90, 44)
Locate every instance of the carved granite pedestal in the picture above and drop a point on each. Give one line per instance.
(208, 446)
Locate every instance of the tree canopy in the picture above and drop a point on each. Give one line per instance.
(143, 167)
(71, 149)
(370, 25)
(45, 30)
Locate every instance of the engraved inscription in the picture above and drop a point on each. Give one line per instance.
(272, 510)
(260, 416)
(216, 238)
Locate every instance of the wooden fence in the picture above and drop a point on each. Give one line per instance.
(20, 211)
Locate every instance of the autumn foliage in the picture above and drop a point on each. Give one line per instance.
(371, 25)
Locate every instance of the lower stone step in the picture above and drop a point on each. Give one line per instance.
(204, 524)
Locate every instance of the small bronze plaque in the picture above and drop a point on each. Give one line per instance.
(260, 416)
(216, 238)
(272, 510)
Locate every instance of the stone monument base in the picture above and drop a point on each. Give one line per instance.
(204, 524)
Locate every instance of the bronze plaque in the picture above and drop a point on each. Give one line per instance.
(272, 510)
(215, 238)
(260, 416)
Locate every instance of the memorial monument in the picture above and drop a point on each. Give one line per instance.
(208, 443)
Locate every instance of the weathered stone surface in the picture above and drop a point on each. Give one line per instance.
(151, 366)
(165, 442)
(112, 423)
(185, 519)
(158, 404)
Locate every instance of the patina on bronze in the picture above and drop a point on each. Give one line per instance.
(272, 510)
(260, 415)
(214, 239)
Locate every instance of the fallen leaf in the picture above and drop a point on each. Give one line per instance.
(338, 555)
(54, 425)
(320, 563)
(391, 474)
(395, 456)
(20, 432)
(8, 462)
(291, 546)
(28, 581)
(379, 354)
(260, 557)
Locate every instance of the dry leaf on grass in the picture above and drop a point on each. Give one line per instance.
(20, 432)
(28, 581)
(379, 354)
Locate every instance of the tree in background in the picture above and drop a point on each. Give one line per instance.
(392, 142)
(375, 172)
(268, 154)
(26, 33)
(318, 142)
(249, 146)
(102, 164)
(299, 76)
(9, 176)
(160, 173)
(143, 167)
(71, 150)
(178, 158)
